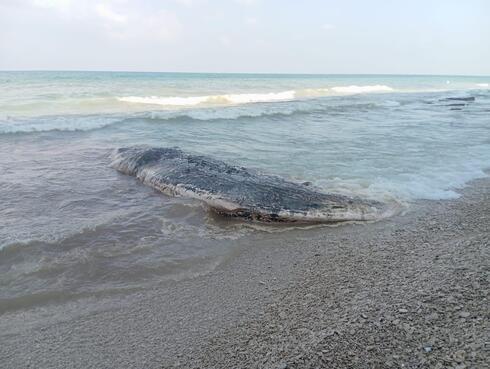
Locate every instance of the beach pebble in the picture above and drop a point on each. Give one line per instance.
(432, 316)
(459, 356)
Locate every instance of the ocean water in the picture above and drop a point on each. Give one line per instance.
(73, 227)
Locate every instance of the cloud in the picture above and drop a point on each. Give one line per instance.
(327, 26)
(119, 19)
(251, 21)
(107, 13)
(63, 8)
(67, 9)
(56, 4)
(225, 41)
(163, 25)
(247, 2)
(187, 3)
(144, 28)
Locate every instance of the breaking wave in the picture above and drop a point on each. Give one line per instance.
(211, 99)
(69, 123)
(73, 122)
(240, 109)
(361, 89)
(248, 98)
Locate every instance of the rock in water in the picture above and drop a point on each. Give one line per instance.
(238, 192)
(462, 98)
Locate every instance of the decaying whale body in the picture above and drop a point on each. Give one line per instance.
(238, 192)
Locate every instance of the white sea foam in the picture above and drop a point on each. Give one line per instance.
(251, 98)
(482, 84)
(168, 101)
(361, 89)
(247, 98)
(211, 99)
(389, 103)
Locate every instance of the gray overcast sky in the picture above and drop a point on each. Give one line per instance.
(309, 36)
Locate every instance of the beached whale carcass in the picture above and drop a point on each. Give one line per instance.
(238, 192)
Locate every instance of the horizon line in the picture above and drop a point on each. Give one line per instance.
(244, 73)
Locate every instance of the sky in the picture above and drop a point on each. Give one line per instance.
(251, 36)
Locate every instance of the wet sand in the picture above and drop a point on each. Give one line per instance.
(410, 292)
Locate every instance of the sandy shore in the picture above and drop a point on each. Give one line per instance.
(409, 292)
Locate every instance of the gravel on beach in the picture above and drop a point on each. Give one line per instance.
(413, 294)
(407, 292)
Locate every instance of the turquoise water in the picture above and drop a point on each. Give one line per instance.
(49, 93)
(69, 222)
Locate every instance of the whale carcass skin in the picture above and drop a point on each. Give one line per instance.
(239, 192)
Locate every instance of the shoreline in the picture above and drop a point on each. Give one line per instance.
(415, 295)
(411, 290)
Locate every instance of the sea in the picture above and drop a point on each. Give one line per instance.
(72, 227)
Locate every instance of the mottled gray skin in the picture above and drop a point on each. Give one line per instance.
(260, 197)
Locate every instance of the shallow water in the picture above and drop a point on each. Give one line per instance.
(70, 225)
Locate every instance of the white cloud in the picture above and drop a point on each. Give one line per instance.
(225, 41)
(251, 21)
(247, 2)
(65, 8)
(144, 28)
(327, 26)
(107, 13)
(119, 19)
(56, 4)
(187, 3)
(162, 25)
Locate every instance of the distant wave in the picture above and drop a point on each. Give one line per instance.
(247, 98)
(319, 105)
(72, 123)
(482, 84)
(211, 99)
(361, 89)
(88, 123)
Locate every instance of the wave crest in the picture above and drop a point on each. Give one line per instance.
(361, 89)
(248, 98)
(211, 99)
(71, 123)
